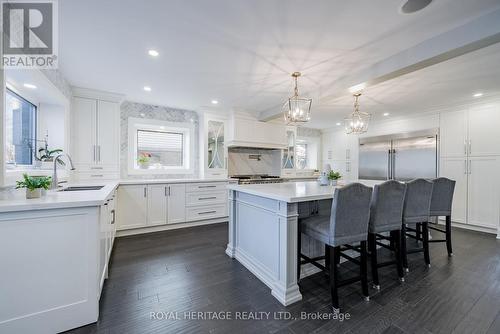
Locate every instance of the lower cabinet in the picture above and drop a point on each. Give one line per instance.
(476, 200)
(107, 232)
(160, 204)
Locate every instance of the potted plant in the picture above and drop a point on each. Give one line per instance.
(333, 177)
(35, 185)
(143, 160)
(46, 155)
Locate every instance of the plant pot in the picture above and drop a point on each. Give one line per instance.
(144, 165)
(333, 182)
(35, 193)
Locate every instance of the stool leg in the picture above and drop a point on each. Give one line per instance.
(337, 257)
(448, 236)
(425, 234)
(418, 233)
(364, 271)
(372, 247)
(327, 257)
(299, 250)
(396, 235)
(334, 278)
(404, 256)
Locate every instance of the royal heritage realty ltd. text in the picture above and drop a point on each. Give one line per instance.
(227, 315)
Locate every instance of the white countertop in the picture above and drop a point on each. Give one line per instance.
(292, 192)
(12, 200)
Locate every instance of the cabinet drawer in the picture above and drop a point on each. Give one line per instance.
(208, 186)
(206, 212)
(96, 168)
(96, 175)
(204, 198)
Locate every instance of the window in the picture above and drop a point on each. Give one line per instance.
(159, 147)
(20, 120)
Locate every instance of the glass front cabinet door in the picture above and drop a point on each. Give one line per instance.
(215, 148)
(288, 158)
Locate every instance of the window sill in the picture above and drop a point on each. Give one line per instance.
(160, 171)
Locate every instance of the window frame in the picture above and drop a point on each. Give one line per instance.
(313, 145)
(187, 130)
(15, 166)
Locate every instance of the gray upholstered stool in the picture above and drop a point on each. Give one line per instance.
(347, 224)
(416, 210)
(441, 202)
(386, 215)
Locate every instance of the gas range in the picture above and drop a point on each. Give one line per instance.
(257, 179)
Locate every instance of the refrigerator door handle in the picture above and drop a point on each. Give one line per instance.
(389, 159)
(393, 168)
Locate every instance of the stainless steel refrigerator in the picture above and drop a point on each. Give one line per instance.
(402, 157)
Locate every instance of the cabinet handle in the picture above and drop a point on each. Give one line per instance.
(168, 190)
(114, 216)
(347, 154)
(94, 153)
(96, 175)
(145, 192)
(165, 191)
(206, 186)
(99, 153)
(205, 198)
(96, 168)
(470, 147)
(465, 147)
(470, 167)
(465, 167)
(207, 212)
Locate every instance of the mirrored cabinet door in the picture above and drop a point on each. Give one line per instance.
(216, 152)
(288, 161)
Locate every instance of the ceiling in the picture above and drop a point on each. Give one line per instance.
(241, 52)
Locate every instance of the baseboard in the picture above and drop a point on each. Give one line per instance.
(489, 230)
(142, 230)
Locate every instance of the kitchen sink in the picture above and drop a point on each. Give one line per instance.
(82, 188)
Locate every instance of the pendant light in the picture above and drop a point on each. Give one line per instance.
(297, 109)
(357, 122)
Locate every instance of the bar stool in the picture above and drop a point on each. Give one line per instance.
(386, 215)
(347, 224)
(441, 202)
(416, 210)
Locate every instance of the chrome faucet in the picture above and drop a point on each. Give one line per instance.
(55, 181)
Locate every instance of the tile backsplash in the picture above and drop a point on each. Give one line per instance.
(252, 161)
(138, 110)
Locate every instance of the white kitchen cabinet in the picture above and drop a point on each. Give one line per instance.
(213, 140)
(253, 133)
(157, 204)
(288, 163)
(95, 133)
(453, 134)
(132, 206)
(456, 169)
(176, 203)
(108, 134)
(484, 122)
(484, 199)
(83, 132)
(103, 244)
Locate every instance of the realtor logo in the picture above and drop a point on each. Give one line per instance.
(29, 36)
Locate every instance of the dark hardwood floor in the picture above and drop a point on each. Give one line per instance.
(187, 271)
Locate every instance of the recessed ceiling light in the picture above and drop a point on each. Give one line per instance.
(386, 114)
(143, 114)
(338, 124)
(478, 94)
(147, 88)
(215, 102)
(153, 53)
(30, 86)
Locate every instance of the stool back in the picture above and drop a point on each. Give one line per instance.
(386, 208)
(442, 196)
(350, 214)
(417, 203)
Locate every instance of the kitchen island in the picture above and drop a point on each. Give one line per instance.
(263, 222)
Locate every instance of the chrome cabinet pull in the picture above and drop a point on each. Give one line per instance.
(206, 186)
(114, 216)
(96, 175)
(145, 191)
(96, 168)
(470, 167)
(465, 147)
(206, 198)
(168, 190)
(470, 147)
(206, 212)
(465, 166)
(165, 191)
(99, 152)
(94, 153)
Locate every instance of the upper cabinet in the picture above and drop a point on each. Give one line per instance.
(213, 134)
(288, 159)
(95, 134)
(471, 131)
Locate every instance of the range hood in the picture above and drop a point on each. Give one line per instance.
(256, 134)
